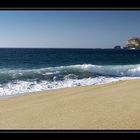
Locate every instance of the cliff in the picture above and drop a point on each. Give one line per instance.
(133, 43)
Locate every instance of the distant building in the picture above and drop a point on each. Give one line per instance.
(133, 43)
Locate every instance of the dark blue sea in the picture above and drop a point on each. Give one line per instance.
(29, 70)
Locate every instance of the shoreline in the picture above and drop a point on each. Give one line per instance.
(6, 97)
(108, 106)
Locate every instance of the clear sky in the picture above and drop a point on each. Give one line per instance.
(68, 29)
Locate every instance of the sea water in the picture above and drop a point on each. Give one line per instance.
(29, 70)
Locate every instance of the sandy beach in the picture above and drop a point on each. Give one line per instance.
(109, 106)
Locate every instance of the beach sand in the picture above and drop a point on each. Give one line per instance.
(109, 106)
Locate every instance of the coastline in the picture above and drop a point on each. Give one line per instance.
(108, 106)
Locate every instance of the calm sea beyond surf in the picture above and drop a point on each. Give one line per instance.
(30, 70)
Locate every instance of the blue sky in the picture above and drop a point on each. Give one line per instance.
(68, 29)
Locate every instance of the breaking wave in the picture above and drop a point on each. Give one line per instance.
(75, 71)
(18, 81)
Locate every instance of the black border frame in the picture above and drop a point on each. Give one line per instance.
(71, 5)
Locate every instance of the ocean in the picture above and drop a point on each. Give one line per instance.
(29, 70)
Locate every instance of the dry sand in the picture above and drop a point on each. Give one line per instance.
(109, 106)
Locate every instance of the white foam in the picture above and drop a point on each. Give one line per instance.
(20, 87)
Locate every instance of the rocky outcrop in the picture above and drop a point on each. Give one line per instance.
(133, 43)
(117, 47)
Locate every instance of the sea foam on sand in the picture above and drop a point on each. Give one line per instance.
(20, 87)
